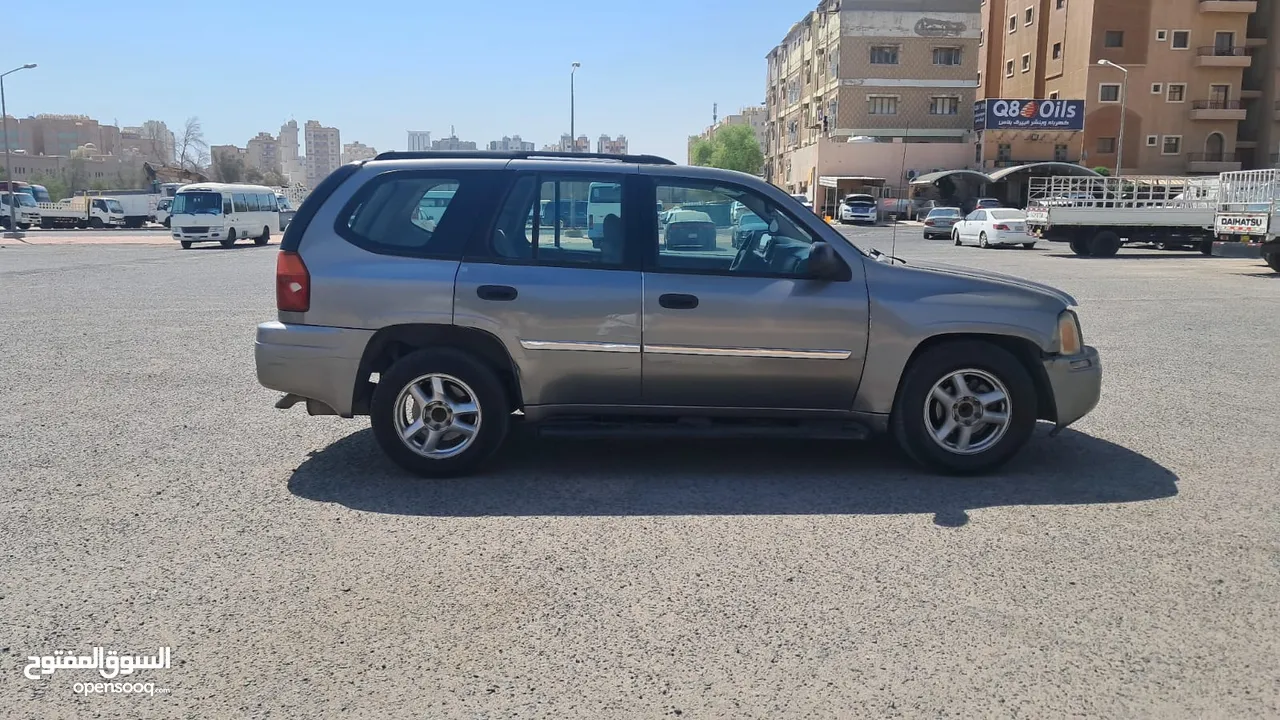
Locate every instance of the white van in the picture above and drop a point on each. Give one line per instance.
(603, 199)
(220, 212)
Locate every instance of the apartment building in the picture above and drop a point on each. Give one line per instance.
(262, 153)
(510, 144)
(452, 144)
(353, 151)
(1180, 81)
(324, 151)
(419, 140)
(611, 146)
(871, 92)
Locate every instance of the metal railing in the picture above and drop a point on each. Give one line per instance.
(1131, 193)
(1248, 190)
(1219, 51)
(1217, 105)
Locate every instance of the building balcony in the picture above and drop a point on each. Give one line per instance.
(1217, 109)
(1229, 57)
(1212, 162)
(1231, 6)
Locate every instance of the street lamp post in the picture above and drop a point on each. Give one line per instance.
(573, 137)
(1124, 101)
(8, 165)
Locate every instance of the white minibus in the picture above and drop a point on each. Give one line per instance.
(224, 213)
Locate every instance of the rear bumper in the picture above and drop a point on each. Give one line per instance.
(1076, 382)
(318, 363)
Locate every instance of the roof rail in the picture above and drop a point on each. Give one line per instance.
(521, 155)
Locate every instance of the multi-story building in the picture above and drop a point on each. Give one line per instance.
(510, 144)
(611, 146)
(287, 142)
(262, 153)
(568, 144)
(1258, 138)
(419, 140)
(353, 151)
(60, 134)
(152, 140)
(452, 144)
(324, 151)
(868, 93)
(1181, 82)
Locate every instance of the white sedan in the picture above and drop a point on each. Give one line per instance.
(996, 227)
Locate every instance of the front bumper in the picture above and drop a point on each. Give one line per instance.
(314, 362)
(1076, 383)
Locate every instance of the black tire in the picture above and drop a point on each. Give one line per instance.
(264, 238)
(166, 222)
(1206, 248)
(1272, 258)
(186, 244)
(982, 242)
(95, 223)
(230, 239)
(46, 223)
(1081, 248)
(1104, 244)
(908, 423)
(24, 226)
(955, 237)
(81, 224)
(1029, 246)
(490, 396)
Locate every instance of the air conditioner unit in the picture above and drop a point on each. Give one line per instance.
(913, 174)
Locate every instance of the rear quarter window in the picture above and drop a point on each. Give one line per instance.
(416, 213)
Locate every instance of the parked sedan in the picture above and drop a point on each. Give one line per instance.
(940, 221)
(689, 229)
(747, 228)
(859, 209)
(1001, 227)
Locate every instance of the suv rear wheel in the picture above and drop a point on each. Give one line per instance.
(439, 413)
(964, 407)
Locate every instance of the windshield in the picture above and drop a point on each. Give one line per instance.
(197, 203)
(21, 199)
(115, 206)
(860, 200)
(1007, 215)
(750, 219)
(605, 194)
(944, 212)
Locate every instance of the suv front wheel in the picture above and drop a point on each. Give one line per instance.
(439, 413)
(964, 407)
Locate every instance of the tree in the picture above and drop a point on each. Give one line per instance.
(228, 167)
(733, 147)
(254, 176)
(274, 179)
(192, 151)
(56, 186)
(76, 173)
(1104, 172)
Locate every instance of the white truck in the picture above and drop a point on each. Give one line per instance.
(1249, 211)
(82, 212)
(1097, 215)
(27, 211)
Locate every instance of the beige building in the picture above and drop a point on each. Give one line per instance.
(262, 153)
(510, 144)
(1187, 99)
(324, 151)
(452, 144)
(611, 146)
(353, 151)
(874, 72)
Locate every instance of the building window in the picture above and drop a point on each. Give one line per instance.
(1113, 39)
(883, 104)
(1029, 16)
(1013, 23)
(1026, 63)
(944, 106)
(1060, 153)
(979, 78)
(1062, 4)
(1172, 145)
(1008, 68)
(1156, 88)
(1004, 152)
(1177, 92)
(1162, 35)
(1106, 145)
(1181, 40)
(1053, 95)
(1109, 93)
(1153, 140)
(1057, 51)
(982, 38)
(946, 56)
(884, 55)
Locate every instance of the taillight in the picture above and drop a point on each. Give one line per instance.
(930, 223)
(1001, 227)
(591, 222)
(293, 283)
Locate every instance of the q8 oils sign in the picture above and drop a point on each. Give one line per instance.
(1063, 115)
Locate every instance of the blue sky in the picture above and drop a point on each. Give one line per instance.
(650, 70)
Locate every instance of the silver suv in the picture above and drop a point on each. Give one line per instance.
(449, 295)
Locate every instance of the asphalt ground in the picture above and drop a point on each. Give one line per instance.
(154, 497)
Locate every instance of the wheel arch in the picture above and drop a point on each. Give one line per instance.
(1025, 351)
(394, 342)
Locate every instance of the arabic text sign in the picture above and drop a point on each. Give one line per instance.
(1063, 115)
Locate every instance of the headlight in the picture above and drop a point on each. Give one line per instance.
(1070, 339)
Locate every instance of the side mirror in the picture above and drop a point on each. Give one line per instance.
(826, 264)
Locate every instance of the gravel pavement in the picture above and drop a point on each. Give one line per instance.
(154, 497)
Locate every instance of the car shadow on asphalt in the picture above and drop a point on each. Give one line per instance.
(1167, 255)
(582, 477)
